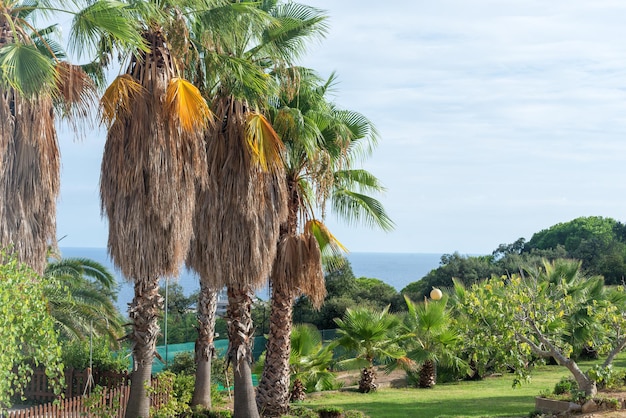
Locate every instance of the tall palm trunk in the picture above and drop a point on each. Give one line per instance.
(296, 270)
(273, 390)
(241, 338)
(144, 312)
(205, 349)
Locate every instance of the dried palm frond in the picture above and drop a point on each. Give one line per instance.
(184, 100)
(29, 177)
(76, 90)
(298, 268)
(237, 220)
(264, 142)
(150, 170)
(118, 98)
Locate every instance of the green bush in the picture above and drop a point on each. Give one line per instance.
(603, 376)
(330, 412)
(354, 414)
(76, 355)
(302, 412)
(183, 363)
(565, 385)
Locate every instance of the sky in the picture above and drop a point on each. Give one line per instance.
(497, 119)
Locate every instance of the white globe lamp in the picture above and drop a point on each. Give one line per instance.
(436, 294)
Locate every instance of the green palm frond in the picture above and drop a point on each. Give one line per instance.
(295, 25)
(84, 301)
(104, 19)
(355, 208)
(25, 69)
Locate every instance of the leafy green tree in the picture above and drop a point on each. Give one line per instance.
(27, 330)
(600, 243)
(370, 335)
(430, 339)
(467, 269)
(544, 312)
(181, 315)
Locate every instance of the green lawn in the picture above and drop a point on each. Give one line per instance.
(492, 397)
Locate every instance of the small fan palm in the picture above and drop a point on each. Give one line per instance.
(310, 362)
(429, 339)
(371, 336)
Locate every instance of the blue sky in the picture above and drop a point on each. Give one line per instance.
(498, 118)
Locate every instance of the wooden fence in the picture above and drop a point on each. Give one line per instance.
(109, 402)
(38, 389)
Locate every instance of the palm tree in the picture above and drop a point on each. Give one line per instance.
(153, 161)
(320, 144)
(370, 335)
(246, 194)
(37, 84)
(83, 302)
(309, 362)
(430, 341)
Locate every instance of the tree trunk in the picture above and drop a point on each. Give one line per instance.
(273, 390)
(298, 392)
(205, 350)
(428, 375)
(241, 338)
(368, 380)
(582, 379)
(144, 312)
(619, 346)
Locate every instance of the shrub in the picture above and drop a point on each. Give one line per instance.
(565, 385)
(183, 363)
(603, 376)
(354, 414)
(302, 412)
(330, 412)
(76, 355)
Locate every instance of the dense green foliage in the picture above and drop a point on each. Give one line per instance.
(344, 291)
(181, 315)
(27, 330)
(85, 305)
(600, 243)
(76, 354)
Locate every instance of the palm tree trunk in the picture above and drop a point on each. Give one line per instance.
(207, 305)
(367, 383)
(144, 312)
(241, 338)
(428, 375)
(273, 390)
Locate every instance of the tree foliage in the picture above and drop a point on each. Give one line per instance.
(545, 312)
(27, 330)
(600, 243)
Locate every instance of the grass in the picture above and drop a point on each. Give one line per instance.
(492, 397)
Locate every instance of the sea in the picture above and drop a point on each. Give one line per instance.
(395, 269)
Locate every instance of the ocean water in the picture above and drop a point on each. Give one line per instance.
(395, 269)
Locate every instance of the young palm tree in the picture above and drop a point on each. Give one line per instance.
(309, 362)
(320, 143)
(37, 84)
(85, 302)
(430, 341)
(246, 193)
(370, 335)
(153, 161)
